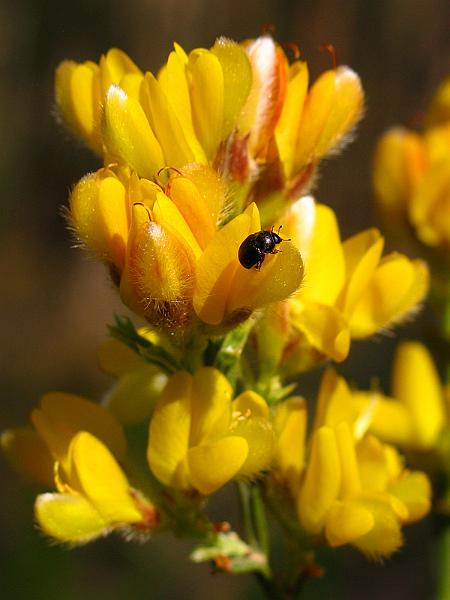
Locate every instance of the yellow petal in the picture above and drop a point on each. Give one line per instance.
(439, 111)
(133, 397)
(77, 91)
(416, 385)
(290, 425)
(218, 265)
(170, 430)
(399, 160)
(385, 537)
(279, 277)
(287, 127)
(334, 404)
(207, 99)
(173, 81)
(315, 231)
(237, 77)
(188, 199)
(114, 66)
(414, 490)
(102, 480)
(69, 518)
(61, 416)
(210, 405)
(128, 135)
(362, 254)
(324, 327)
(346, 522)
(165, 124)
(213, 465)
(317, 108)
(251, 404)
(375, 464)
(345, 111)
(395, 289)
(322, 481)
(99, 212)
(28, 454)
(158, 278)
(166, 214)
(391, 421)
(350, 482)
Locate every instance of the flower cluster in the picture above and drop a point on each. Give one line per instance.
(200, 164)
(412, 175)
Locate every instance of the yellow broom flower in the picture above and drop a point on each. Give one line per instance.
(200, 438)
(84, 444)
(415, 415)
(348, 487)
(412, 175)
(235, 107)
(167, 253)
(349, 291)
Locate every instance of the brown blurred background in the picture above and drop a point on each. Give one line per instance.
(56, 302)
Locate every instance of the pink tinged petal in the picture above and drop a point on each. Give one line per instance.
(213, 465)
(102, 480)
(69, 518)
(322, 481)
(210, 405)
(128, 135)
(169, 432)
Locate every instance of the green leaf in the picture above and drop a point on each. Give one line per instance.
(124, 331)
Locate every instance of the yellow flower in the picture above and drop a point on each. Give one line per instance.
(84, 443)
(317, 121)
(167, 254)
(416, 414)
(200, 438)
(234, 107)
(348, 487)
(412, 175)
(80, 91)
(349, 291)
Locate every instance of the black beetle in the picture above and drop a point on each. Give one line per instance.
(254, 248)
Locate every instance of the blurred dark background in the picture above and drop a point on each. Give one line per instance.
(56, 302)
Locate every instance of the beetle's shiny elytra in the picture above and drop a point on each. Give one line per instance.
(254, 248)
